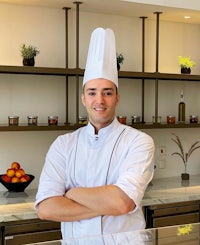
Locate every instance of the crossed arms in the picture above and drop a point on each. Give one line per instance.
(84, 203)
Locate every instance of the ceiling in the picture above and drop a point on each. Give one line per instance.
(135, 8)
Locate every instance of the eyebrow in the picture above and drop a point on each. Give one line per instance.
(104, 89)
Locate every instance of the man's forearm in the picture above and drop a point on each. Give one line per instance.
(107, 200)
(63, 209)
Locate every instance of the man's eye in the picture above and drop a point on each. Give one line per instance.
(108, 93)
(91, 93)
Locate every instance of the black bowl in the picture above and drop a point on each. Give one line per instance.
(16, 187)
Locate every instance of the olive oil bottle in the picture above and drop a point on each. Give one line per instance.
(181, 109)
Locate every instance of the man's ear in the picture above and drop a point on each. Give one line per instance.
(83, 99)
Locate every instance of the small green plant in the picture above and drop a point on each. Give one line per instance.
(182, 154)
(120, 59)
(186, 62)
(28, 52)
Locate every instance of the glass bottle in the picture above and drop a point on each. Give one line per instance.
(181, 109)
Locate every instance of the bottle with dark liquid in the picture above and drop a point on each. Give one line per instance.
(181, 109)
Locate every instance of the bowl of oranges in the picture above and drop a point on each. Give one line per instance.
(16, 179)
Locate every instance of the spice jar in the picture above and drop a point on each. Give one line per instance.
(82, 120)
(52, 120)
(158, 119)
(13, 120)
(122, 119)
(193, 119)
(171, 119)
(135, 119)
(32, 120)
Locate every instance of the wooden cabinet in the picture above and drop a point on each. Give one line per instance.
(172, 214)
(29, 231)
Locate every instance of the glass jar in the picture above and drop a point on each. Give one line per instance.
(193, 119)
(122, 119)
(158, 119)
(13, 120)
(32, 120)
(52, 120)
(82, 120)
(135, 119)
(171, 119)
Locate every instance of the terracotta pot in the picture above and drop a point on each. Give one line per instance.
(185, 176)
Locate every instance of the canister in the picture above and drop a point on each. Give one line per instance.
(82, 120)
(32, 120)
(135, 119)
(122, 119)
(52, 120)
(193, 119)
(171, 119)
(13, 120)
(158, 119)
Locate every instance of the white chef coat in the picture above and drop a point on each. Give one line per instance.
(118, 155)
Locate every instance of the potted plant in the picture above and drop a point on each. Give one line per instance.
(186, 64)
(185, 155)
(120, 60)
(28, 53)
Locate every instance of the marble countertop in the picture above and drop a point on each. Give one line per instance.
(172, 190)
(20, 206)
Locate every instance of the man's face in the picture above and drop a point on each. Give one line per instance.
(100, 98)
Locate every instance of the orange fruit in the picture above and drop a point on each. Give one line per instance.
(15, 180)
(27, 177)
(10, 172)
(15, 165)
(19, 173)
(6, 178)
(23, 179)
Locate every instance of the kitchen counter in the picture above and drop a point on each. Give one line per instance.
(184, 234)
(172, 190)
(20, 206)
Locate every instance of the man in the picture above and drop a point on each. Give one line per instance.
(94, 178)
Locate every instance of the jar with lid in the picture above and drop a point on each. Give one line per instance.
(158, 119)
(122, 119)
(171, 119)
(82, 120)
(13, 120)
(32, 120)
(135, 119)
(52, 120)
(193, 119)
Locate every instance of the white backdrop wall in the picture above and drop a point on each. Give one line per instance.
(44, 95)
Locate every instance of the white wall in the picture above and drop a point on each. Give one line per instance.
(44, 95)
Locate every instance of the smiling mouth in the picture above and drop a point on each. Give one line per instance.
(99, 109)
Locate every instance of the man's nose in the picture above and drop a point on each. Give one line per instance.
(100, 98)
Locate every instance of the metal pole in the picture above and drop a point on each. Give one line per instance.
(66, 64)
(143, 62)
(77, 33)
(77, 59)
(157, 64)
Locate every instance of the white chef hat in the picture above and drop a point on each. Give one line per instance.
(101, 59)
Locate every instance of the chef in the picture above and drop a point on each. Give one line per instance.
(94, 178)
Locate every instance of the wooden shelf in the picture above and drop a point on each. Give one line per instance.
(68, 127)
(165, 125)
(39, 127)
(40, 70)
(80, 72)
(158, 75)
